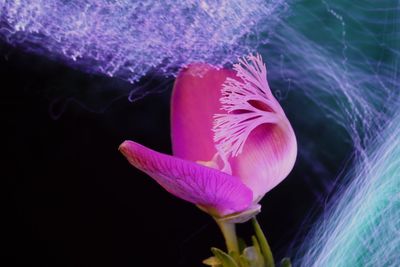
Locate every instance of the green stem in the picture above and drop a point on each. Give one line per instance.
(229, 232)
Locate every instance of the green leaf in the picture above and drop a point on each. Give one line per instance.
(225, 259)
(265, 249)
(285, 262)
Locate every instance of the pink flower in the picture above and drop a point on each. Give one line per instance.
(232, 142)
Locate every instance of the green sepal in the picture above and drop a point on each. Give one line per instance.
(257, 258)
(265, 249)
(213, 262)
(243, 216)
(256, 245)
(285, 262)
(235, 255)
(244, 262)
(225, 259)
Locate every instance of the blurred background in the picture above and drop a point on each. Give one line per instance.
(72, 198)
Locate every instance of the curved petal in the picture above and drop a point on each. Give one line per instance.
(267, 158)
(195, 100)
(218, 193)
(255, 134)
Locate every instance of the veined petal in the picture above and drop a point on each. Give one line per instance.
(267, 158)
(248, 102)
(195, 100)
(254, 135)
(218, 193)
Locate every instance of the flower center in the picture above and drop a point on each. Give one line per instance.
(217, 162)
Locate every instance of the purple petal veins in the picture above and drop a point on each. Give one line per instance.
(217, 192)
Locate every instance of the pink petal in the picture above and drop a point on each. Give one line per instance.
(218, 193)
(195, 100)
(254, 135)
(267, 158)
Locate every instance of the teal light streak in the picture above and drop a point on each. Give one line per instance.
(363, 228)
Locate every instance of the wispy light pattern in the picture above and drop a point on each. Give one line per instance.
(128, 39)
(349, 67)
(348, 64)
(363, 228)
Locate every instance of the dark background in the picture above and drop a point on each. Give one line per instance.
(73, 200)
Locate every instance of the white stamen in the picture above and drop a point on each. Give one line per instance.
(248, 102)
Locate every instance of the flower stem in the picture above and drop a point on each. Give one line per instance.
(229, 232)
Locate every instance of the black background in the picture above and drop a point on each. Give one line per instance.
(73, 200)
